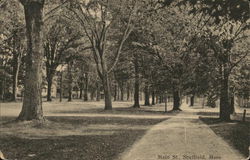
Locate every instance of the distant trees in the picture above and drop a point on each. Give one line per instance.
(122, 74)
(242, 82)
(137, 80)
(191, 48)
(58, 39)
(224, 33)
(97, 19)
(12, 41)
(85, 74)
(189, 61)
(163, 41)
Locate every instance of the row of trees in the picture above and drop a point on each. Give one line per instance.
(177, 47)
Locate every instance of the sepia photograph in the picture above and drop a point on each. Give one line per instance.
(124, 80)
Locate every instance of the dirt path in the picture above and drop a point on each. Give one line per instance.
(183, 137)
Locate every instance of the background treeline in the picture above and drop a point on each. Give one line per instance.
(116, 50)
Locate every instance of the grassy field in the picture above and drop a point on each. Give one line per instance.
(235, 133)
(78, 138)
(84, 131)
(76, 131)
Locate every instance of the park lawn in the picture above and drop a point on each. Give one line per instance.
(235, 133)
(74, 138)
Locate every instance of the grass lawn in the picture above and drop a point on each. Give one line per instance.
(236, 133)
(75, 131)
(75, 138)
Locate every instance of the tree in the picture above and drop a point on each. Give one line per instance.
(32, 102)
(70, 79)
(137, 82)
(164, 39)
(224, 42)
(59, 38)
(18, 52)
(242, 83)
(230, 21)
(97, 18)
(12, 39)
(122, 74)
(5, 75)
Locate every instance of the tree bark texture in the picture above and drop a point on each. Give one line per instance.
(86, 87)
(224, 101)
(115, 93)
(176, 97)
(61, 84)
(32, 102)
(128, 91)
(192, 100)
(232, 110)
(70, 80)
(49, 85)
(146, 94)
(107, 92)
(81, 91)
(98, 95)
(153, 97)
(137, 83)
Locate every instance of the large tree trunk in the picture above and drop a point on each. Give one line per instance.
(81, 87)
(61, 88)
(146, 96)
(32, 102)
(192, 100)
(122, 91)
(232, 109)
(70, 80)
(81, 91)
(86, 87)
(70, 94)
(136, 96)
(224, 99)
(128, 91)
(98, 95)
(49, 81)
(115, 93)
(118, 93)
(176, 97)
(137, 83)
(107, 92)
(153, 97)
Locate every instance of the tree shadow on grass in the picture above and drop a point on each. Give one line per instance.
(208, 113)
(75, 145)
(106, 147)
(104, 120)
(117, 110)
(4, 120)
(236, 133)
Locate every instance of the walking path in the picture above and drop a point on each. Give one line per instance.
(183, 137)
